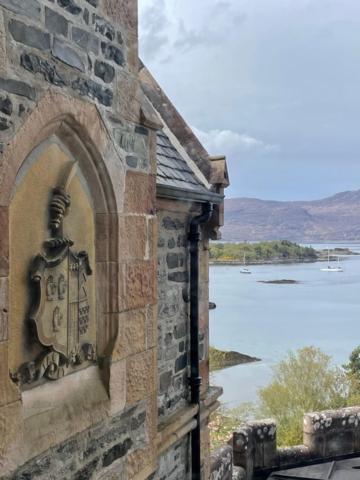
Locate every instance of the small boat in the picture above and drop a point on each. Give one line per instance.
(244, 269)
(330, 268)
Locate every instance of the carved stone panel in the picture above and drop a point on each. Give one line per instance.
(59, 322)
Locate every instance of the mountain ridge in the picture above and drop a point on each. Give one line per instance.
(334, 218)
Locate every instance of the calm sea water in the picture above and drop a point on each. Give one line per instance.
(266, 320)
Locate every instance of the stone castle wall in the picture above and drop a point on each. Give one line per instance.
(70, 91)
(174, 323)
(99, 452)
(87, 48)
(174, 331)
(175, 463)
(69, 77)
(173, 309)
(173, 312)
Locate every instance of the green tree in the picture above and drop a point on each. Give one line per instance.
(353, 367)
(304, 381)
(353, 374)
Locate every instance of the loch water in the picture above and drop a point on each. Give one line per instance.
(267, 320)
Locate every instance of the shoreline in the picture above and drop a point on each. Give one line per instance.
(221, 359)
(261, 262)
(279, 261)
(278, 252)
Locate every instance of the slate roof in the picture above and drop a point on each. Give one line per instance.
(173, 170)
(337, 470)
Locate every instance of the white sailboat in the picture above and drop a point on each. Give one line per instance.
(330, 268)
(244, 269)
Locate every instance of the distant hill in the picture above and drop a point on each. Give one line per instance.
(335, 218)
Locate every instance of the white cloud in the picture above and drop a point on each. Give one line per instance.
(167, 31)
(264, 72)
(154, 24)
(228, 142)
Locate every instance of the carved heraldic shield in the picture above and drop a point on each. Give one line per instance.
(60, 308)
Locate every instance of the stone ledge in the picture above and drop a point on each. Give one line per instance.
(175, 427)
(182, 422)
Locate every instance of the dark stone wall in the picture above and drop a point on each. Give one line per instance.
(174, 333)
(86, 455)
(173, 312)
(174, 465)
(85, 48)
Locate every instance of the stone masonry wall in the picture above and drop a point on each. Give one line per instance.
(173, 312)
(87, 47)
(69, 69)
(175, 463)
(174, 323)
(93, 452)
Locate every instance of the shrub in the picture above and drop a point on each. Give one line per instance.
(224, 422)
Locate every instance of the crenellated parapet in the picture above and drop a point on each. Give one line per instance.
(333, 432)
(328, 435)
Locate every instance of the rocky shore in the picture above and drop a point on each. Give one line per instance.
(223, 359)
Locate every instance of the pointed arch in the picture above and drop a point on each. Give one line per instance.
(80, 129)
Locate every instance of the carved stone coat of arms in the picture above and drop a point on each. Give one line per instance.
(60, 310)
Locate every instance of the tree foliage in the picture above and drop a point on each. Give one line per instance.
(353, 367)
(304, 381)
(279, 250)
(353, 374)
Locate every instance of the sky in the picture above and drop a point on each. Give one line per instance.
(272, 84)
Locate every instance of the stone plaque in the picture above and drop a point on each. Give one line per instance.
(60, 310)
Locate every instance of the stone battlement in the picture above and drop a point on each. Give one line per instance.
(328, 435)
